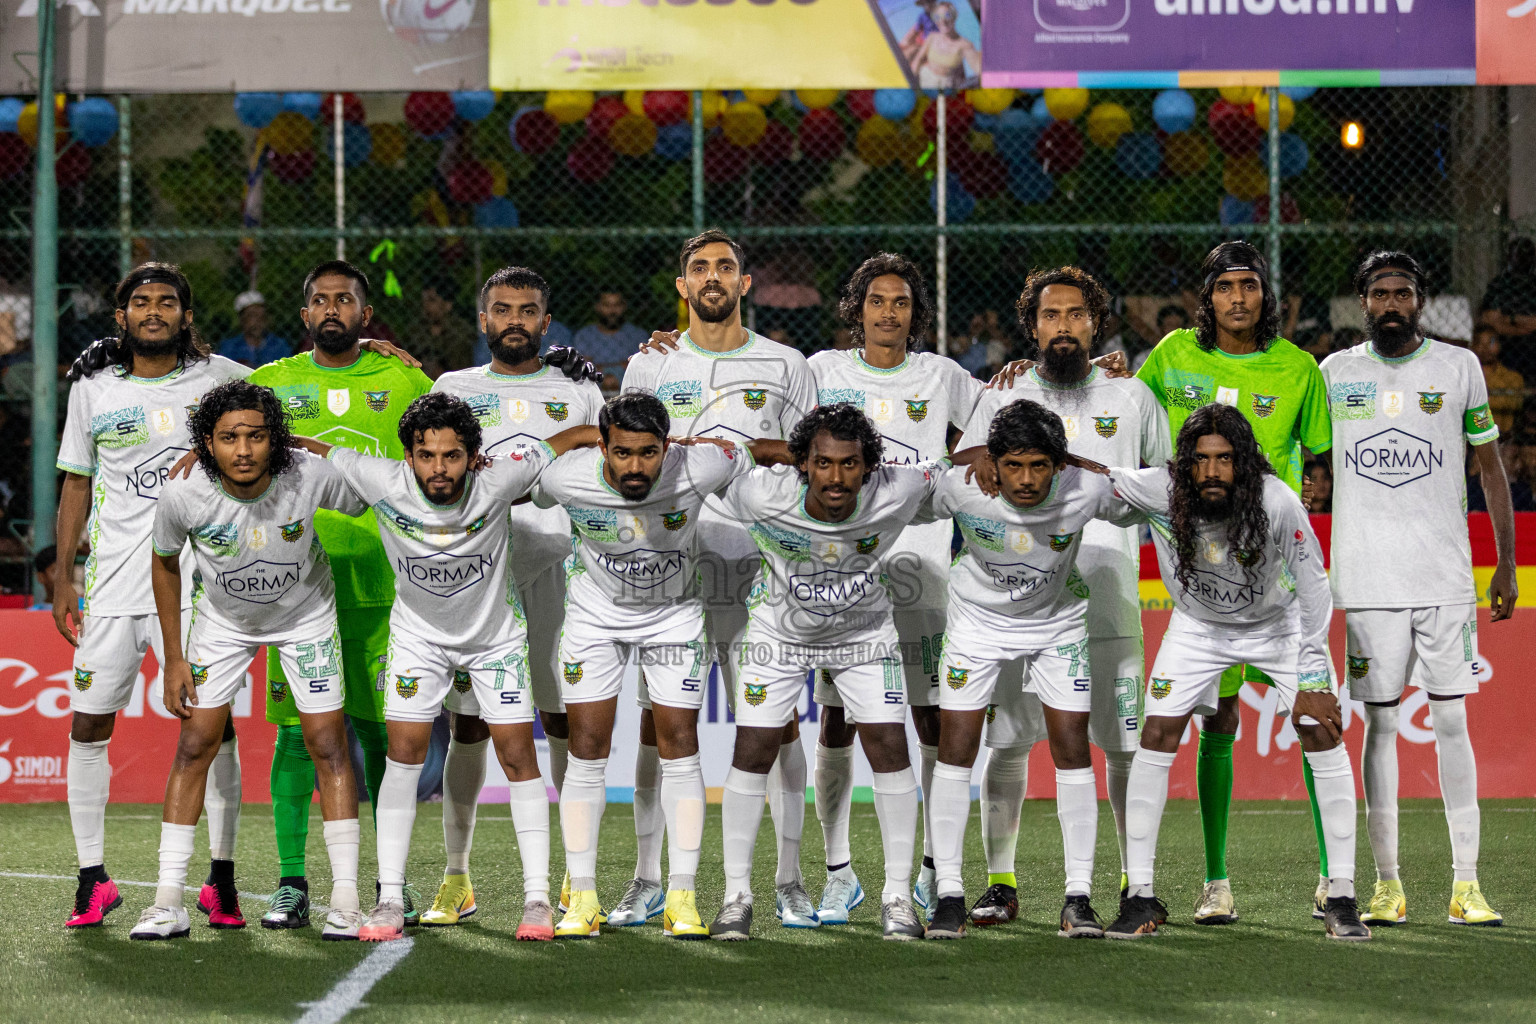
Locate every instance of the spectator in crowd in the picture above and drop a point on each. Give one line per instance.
(842, 339)
(1518, 456)
(988, 334)
(1171, 317)
(1347, 337)
(45, 567)
(785, 296)
(1509, 305)
(1319, 487)
(255, 345)
(964, 350)
(444, 339)
(610, 340)
(15, 315)
(1506, 388)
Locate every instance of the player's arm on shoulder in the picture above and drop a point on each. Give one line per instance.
(344, 477)
(583, 436)
(389, 350)
(1143, 489)
(1109, 506)
(768, 451)
(660, 343)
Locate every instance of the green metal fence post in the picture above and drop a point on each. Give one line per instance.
(698, 162)
(1274, 191)
(124, 185)
(45, 294)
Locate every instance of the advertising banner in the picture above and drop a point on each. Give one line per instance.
(1506, 42)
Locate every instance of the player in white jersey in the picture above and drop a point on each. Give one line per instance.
(126, 426)
(1016, 595)
(1118, 422)
(914, 398)
(721, 380)
(1403, 409)
(261, 579)
(517, 399)
(1236, 551)
(633, 589)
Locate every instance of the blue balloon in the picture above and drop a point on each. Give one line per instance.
(474, 105)
(257, 109)
(1040, 112)
(93, 121)
(984, 123)
(958, 203)
(1030, 184)
(1293, 154)
(1138, 155)
(306, 103)
(1235, 211)
(1015, 135)
(674, 141)
(1299, 92)
(496, 212)
(356, 139)
(895, 104)
(794, 101)
(1174, 110)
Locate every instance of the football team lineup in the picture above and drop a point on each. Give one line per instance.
(923, 548)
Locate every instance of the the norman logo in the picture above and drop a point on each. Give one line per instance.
(644, 568)
(1020, 579)
(1106, 426)
(259, 582)
(831, 591)
(1393, 458)
(1219, 594)
(149, 476)
(444, 575)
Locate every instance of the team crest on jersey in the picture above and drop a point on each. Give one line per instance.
(1356, 666)
(1061, 541)
(557, 411)
(338, 400)
(675, 520)
(83, 679)
(406, 686)
(461, 680)
(378, 401)
(1105, 426)
(1264, 405)
(957, 677)
(1245, 558)
(199, 673)
(293, 531)
(991, 713)
(917, 409)
(755, 695)
(1161, 688)
(1431, 402)
(864, 545)
(277, 691)
(475, 527)
(571, 670)
(754, 398)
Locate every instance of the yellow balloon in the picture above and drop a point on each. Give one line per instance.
(1245, 177)
(568, 105)
(26, 122)
(981, 142)
(744, 123)
(878, 142)
(989, 101)
(1106, 123)
(388, 144)
(1066, 104)
(632, 135)
(634, 100)
(816, 99)
(1239, 94)
(498, 177)
(289, 132)
(1185, 154)
(762, 97)
(714, 104)
(1286, 111)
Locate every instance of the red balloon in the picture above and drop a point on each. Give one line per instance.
(1290, 213)
(72, 165)
(15, 155)
(429, 113)
(957, 118)
(776, 144)
(1060, 147)
(536, 132)
(590, 159)
(292, 167)
(667, 107)
(352, 111)
(861, 103)
(821, 135)
(605, 110)
(1233, 128)
(984, 175)
(723, 161)
(469, 182)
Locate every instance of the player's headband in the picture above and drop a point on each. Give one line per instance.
(153, 275)
(1381, 275)
(1233, 268)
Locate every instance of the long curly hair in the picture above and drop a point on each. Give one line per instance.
(236, 396)
(190, 346)
(1095, 297)
(1248, 528)
(438, 410)
(850, 308)
(844, 422)
(1217, 262)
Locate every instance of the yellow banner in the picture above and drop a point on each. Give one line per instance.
(691, 44)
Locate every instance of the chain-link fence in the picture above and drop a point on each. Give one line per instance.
(435, 191)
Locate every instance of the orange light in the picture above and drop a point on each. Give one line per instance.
(1352, 135)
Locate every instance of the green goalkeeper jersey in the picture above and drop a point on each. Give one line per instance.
(1280, 390)
(357, 407)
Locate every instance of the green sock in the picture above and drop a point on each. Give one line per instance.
(1317, 817)
(374, 740)
(1213, 782)
(292, 785)
(1003, 878)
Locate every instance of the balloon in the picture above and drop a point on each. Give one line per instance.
(1293, 155)
(356, 140)
(1174, 110)
(568, 105)
(496, 212)
(821, 135)
(895, 104)
(957, 117)
(794, 102)
(1239, 94)
(292, 167)
(743, 124)
(386, 145)
(1060, 147)
(1233, 128)
(1030, 184)
(429, 113)
(714, 105)
(498, 176)
(1015, 135)
(958, 203)
(306, 104)
(93, 121)
(254, 109)
(1290, 213)
(351, 108)
(674, 141)
(632, 135)
(723, 161)
(26, 123)
(634, 101)
(1106, 123)
(290, 133)
(990, 101)
(474, 104)
(878, 142)
(1234, 211)
(1286, 109)
(983, 175)
(15, 155)
(1185, 154)
(535, 131)
(605, 111)
(776, 145)
(1041, 112)
(589, 159)
(816, 99)
(981, 142)
(1066, 104)
(666, 108)
(1138, 155)
(1245, 177)
(762, 97)
(1299, 92)
(72, 166)
(861, 103)
(469, 182)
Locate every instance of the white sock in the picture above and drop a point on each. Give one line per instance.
(789, 815)
(896, 807)
(1146, 794)
(1379, 774)
(221, 801)
(649, 821)
(741, 813)
(559, 755)
(530, 820)
(1334, 783)
(343, 837)
(463, 778)
(1002, 799)
(175, 854)
(1458, 783)
(1117, 772)
(393, 820)
(682, 803)
(581, 815)
(1077, 808)
(89, 782)
(834, 799)
(928, 756)
(948, 805)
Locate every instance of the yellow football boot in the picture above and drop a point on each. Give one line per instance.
(583, 919)
(1469, 907)
(1388, 904)
(682, 916)
(455, 901)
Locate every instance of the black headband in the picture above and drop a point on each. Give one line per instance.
(155, 275)
(1389, 272)
(1233, 268)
